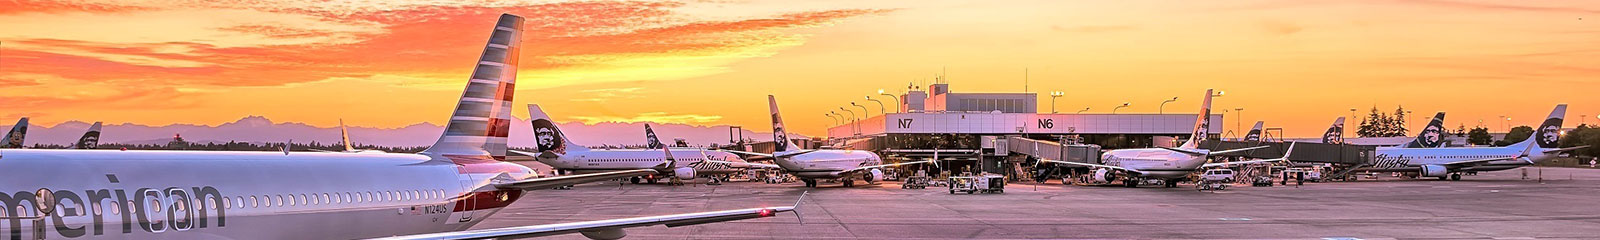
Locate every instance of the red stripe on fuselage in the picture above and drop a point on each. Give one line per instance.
(486, 200)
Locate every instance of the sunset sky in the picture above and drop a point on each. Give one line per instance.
(1295, 64)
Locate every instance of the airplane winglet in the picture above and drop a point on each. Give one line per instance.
(797, 207)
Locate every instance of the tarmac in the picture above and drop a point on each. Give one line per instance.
(1488, 205)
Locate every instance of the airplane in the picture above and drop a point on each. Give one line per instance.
(1255, 133)
(554, 149)
(1166, 164)
(438, 193)
(1450, 162)
(18, 133)
(1431, 136)
(90, 139)
(811, 164)
(344, 137)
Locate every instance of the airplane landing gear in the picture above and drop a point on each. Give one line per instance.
(1455, 177)
(635, 180)
(849, 182)
(1172, 183)
(810, 183)
(1131, 183)
(650, 180)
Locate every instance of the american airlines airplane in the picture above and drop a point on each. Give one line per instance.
(15, 137)
(435, 194)
(1450, 162)
(554, 149)
(90, 139)
(812, 164)
(1169, 165)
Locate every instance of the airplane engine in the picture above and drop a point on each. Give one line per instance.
(874, 175)
(1103, 175)
(684, 173)
(1434, 171)
(605, 234)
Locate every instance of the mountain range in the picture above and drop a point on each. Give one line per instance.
(257, 129)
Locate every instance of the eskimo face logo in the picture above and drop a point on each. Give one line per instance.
(1254, 135)
(90, 141)
(1549, 134)
(15, 140)
(1200, 131)
(1431, 136)
(547, 136)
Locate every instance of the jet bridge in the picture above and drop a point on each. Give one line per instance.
(1041, 149)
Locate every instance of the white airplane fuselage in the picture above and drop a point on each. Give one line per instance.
(248, 195)
(628, 159)
(826, 164)
(1410, 159)
(1155, 163)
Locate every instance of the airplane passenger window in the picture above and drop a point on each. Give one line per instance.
(116, 208)
(302, 200)
(97, 210)
(324, 198)
(157, 203)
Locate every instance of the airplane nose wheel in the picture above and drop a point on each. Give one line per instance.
(1455, 177)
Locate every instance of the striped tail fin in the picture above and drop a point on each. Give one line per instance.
(90, 139)
(18, 133)
(482, 118)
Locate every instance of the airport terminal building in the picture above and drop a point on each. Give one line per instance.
(941, 119)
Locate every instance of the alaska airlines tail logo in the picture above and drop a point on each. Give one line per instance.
(90, 140)
(778, 134)
(548, 137)
(650, 139)
(18, 132)
(1200, 130)
(1431, 136)
(1335, 135)
(1549, 134)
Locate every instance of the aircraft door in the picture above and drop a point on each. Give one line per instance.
(465, 201)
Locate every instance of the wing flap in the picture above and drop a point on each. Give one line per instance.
(675, 220)
(550, 182)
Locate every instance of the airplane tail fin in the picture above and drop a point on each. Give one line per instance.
(18, 133)
(344, 137)
(482, 119)
(1202, 124)
(1548, 134)
(1255, 133)
(780, 138)
(1431, 136)
(547, 136)
(651, 142)
(1335, 133)
(90, 139)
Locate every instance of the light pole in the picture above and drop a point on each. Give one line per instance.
(891, 96)
(1503, 120)
(1507, 124)
(1238, 123)
(881, 109)
(1352, 119)
(864, 112)
(1085, 109)
(835, 118)
(1584, 120)
(1053, 96)
(1163, 108)
(1412, 116)
(1114, 110)
(851, 120)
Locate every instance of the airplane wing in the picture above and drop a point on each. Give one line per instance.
(1094, 165)
(1462, 163)
(1565, 149)
(887, 165)
(1239, 149)
(550, 182)
(755, 165)
(609, 229)
(1284, 158)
